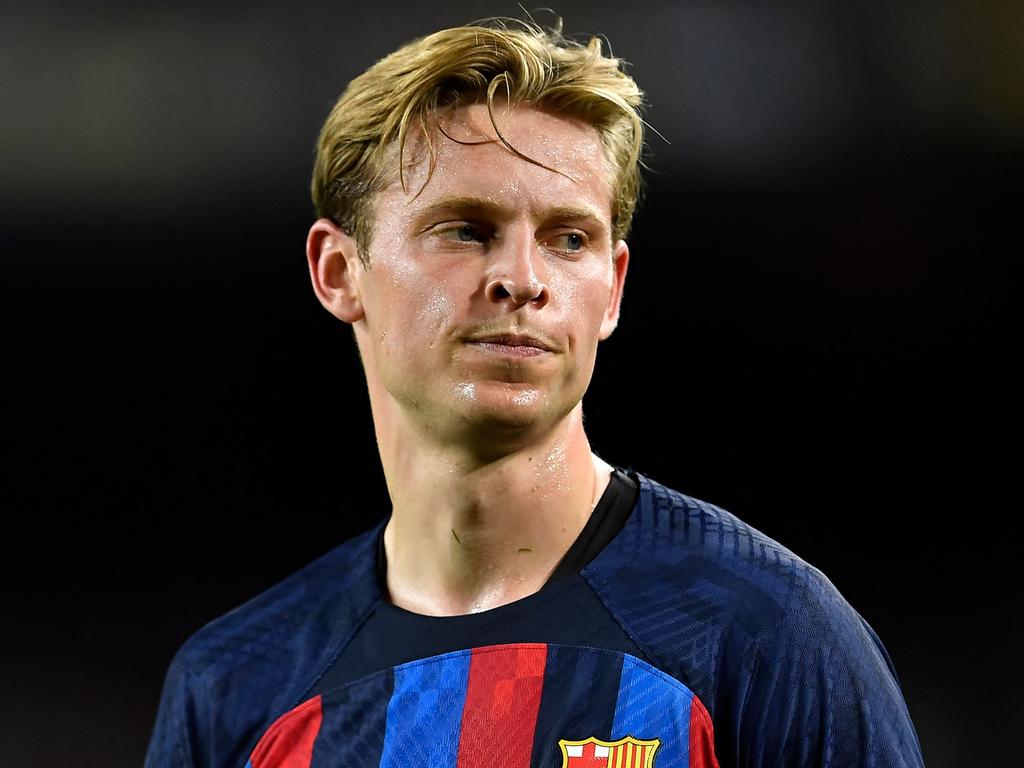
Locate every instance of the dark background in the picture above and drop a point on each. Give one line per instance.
(815, 331)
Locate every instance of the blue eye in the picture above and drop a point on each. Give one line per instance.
(570, 241)
(462, 233)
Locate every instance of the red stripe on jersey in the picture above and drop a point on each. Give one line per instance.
(702, 737)
(288, 743)
(502, 701)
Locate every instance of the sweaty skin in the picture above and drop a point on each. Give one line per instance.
(488, 289)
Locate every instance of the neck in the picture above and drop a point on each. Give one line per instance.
(470, 533)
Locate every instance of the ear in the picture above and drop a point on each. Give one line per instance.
(334, 268)
(620, 263)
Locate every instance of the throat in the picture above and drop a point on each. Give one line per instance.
(473, 566)
(455, 559)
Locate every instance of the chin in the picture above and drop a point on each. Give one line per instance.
(510, 411)
(500, 404)
(503, 399)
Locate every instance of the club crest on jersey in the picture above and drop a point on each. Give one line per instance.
(594, 753)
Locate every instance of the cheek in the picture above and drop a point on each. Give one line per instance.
(418, 311)
(585, 300)
(435, 308)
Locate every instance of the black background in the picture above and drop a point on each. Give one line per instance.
(815, 331)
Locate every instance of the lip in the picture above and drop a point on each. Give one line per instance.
(512, 344)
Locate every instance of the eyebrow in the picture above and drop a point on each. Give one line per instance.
(483, 205)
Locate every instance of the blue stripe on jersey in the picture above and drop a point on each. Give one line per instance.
(653, 705)
(353, 723)
(425, 713)
(580, 690)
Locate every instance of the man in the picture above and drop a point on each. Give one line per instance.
(524, 604)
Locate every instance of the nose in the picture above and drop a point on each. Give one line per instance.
(512, 277)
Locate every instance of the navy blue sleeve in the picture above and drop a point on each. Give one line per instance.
(817, 689)
(170, 744)
(792, 676)
(240, 672)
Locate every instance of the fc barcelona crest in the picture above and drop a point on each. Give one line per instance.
(594, 753)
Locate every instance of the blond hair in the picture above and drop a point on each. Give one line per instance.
(465, 65)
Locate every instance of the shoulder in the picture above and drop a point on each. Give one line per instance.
(305, 605)
(248, 666)
(762, 637)
(682, 556)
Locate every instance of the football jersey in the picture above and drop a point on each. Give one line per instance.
(689, 640)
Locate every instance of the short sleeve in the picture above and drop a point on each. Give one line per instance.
(818, 690)
(170, 744)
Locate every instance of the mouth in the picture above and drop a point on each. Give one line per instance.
(511, 344)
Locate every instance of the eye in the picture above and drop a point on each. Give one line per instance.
(462, 233)
(569, 241)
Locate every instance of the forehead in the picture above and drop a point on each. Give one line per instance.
(470, 160)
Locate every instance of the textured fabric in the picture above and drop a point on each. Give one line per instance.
(790, 673)
(731, 632)
(565, 611)
(424, 715)
(239, 673)
(289, 743)
(510, 706)
(610, 513)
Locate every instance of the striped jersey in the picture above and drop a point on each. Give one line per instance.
(689, 640)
